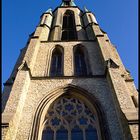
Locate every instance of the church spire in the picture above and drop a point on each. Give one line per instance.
(68, 3)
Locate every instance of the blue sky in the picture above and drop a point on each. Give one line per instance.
(119, 18)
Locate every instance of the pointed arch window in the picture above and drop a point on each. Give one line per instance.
(73, 121)
(90, 19)
(80, 63)
(57, 62)
(68, 27)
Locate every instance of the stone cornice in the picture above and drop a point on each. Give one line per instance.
(67, 77)
(94, 40)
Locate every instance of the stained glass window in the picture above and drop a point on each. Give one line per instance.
(69, 118)
(76, 134)
(91, 133)
(48, 134)
(62, 134)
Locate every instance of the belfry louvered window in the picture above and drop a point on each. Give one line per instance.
(80, 64)
(69, 28)
(57, 63)
(70, 119)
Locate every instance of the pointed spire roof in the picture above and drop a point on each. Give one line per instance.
(68, 3)
(49, 11)
(85, 9)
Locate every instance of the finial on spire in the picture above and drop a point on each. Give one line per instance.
(86, 10)
(68, 3)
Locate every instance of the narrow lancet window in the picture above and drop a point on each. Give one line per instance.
(69, 28)
(47, 134)
(80, 64)
(57, 63)
(90, 19)
(77, 134)
(91, 133)
(62, 134)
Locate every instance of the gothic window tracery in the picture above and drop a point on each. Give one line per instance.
(70, 119)
(68, 27)
(57, 63)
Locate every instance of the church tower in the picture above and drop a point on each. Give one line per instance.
(69, 83)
